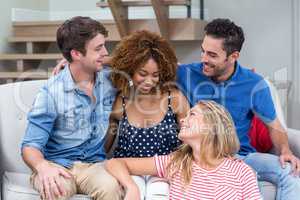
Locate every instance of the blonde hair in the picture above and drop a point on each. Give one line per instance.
(221, 138)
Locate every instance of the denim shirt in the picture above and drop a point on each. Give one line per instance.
(65, 124)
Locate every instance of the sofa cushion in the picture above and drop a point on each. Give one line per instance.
(268, 190)
(16, 186)
(259, 135)
(15, 102)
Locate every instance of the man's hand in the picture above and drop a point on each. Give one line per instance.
(50, 180)
(288, 156)
(280, 141)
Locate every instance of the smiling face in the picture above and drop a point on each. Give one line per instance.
(95, 53)
(209, 127)
(193, 125)
(217, 65)
(146, 78)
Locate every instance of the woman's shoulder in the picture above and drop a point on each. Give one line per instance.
(117, 109)
(176, 95)
(175, 91)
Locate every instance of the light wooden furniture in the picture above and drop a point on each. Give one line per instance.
(37, 36)
(119, 10)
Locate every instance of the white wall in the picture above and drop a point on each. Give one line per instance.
(294, 73)
(6, 16)
(267, 27)
(67, 8)
(71, 5)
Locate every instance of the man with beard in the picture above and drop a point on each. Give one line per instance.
(221, 78)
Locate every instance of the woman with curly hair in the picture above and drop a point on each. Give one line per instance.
(148, 106)
(204, 167)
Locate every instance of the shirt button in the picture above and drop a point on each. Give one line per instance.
(94, 128)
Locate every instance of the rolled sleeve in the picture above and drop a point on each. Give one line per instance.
(262, 103)
(41, 119)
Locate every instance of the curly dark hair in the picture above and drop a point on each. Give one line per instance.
(231, 33)
(134, 51)
(75, 33)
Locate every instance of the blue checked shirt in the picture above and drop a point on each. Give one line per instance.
(64, 123)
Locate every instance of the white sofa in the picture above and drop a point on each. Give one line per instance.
(16, 99)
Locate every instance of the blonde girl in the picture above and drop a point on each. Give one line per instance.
(203, 167)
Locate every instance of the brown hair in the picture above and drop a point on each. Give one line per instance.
(75, 33)
(221, 139)
(134, 51)
(227, 30)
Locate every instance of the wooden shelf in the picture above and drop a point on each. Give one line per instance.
(25, 75)
(187, 29)
(40, 56)
(119, 11)
(47, 29)
(31, 39)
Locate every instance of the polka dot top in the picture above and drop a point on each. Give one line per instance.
(160, 139)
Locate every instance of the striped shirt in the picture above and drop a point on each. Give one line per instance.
(232, 179)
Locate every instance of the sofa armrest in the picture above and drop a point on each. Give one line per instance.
(294, 141)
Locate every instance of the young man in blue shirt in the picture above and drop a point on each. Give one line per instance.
(64, 140)
(221, 78)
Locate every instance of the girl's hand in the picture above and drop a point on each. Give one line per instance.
(132, 193)
(60, 66)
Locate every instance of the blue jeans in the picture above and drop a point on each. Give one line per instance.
(268, 169)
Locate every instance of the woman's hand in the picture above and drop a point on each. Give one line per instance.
(60, 66)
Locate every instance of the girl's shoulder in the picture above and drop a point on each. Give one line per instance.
(235, 161)
(239, 165)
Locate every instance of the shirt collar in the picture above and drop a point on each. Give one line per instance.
(69, 83)
(234, 76)
(99, 76)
